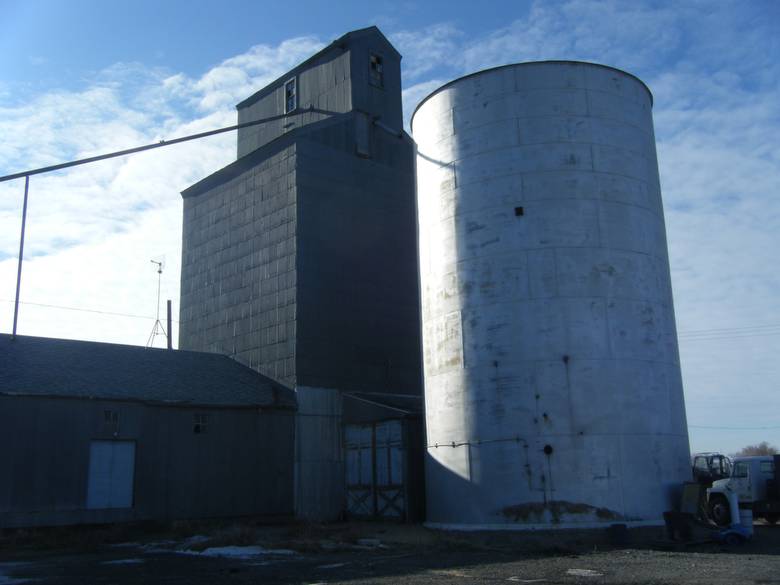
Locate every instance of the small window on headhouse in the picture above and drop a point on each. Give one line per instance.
(201, 424)
(290, 96)
(375, 70)
(111, 420)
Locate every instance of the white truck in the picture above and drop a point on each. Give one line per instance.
(754, 481)
(709, 467)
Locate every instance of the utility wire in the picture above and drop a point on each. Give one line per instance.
(161, 143)
(765, 330)
(728, 329)
(716, 337)
(682, 335)
(734, 428)
(113, 313)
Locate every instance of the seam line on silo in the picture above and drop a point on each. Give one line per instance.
(590, 144)
(480, 442)
(540, 116)
(579, 359)
(479, 257)
(504, 207)
(540, 171)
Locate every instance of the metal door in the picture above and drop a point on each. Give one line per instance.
(359, 440)
(389, 469)
(111, 474)
(375, 470)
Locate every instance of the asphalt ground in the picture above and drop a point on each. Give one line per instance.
(391, 555)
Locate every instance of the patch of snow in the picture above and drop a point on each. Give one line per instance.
(368, 544)
(123, 562)
(6, 580)
(332, 566)
(241, 552)
(285, 552)
(162, 546)
(584, 573)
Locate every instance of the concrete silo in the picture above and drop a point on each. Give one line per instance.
(552, 376)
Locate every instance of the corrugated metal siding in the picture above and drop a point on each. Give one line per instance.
(383, 102)
(356, 216)
(242, 465)
(325, 85)
(238, 269)
(319, 458)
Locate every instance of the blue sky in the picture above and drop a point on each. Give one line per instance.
(84, 77)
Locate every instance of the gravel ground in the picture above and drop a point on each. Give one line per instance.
(367, 553)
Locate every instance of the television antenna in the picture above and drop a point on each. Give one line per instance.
(158, 328)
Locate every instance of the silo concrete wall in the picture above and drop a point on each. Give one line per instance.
(552, 380)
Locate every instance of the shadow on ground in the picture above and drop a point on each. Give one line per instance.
(375, 553)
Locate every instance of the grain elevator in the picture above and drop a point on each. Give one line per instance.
(300, 261)
(513, 256)
(552, 379)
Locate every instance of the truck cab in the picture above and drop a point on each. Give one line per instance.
(710, 467)
(754, 482)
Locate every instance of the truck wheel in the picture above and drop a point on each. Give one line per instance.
(772, 518)
(733, 539)
(719, 510)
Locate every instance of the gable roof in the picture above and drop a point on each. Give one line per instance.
(267, 150)
(40, 366)
(340, 44)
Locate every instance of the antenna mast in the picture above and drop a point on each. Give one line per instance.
(158, 328)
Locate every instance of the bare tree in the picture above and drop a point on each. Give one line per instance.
(763, 448)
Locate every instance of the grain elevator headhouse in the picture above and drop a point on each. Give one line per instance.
(299, 259)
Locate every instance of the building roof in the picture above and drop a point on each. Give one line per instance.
(251, 160)
(526, 63)
(340, 44)
(365, 407)
(40, 366)
(243, 164)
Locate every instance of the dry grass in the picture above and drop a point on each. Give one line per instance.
(70, 538)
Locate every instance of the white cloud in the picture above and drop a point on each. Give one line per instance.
(717, 118)
(427, 49)
(712, 69)
(412, 96)
(93, 229)
(238, 77)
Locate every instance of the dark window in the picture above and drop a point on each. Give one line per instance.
(201, 424)
(740, 470)
(519, 211)
(111, 420)
(290, 96)
(376, 74)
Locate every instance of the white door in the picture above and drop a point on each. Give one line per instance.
(111, 474)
